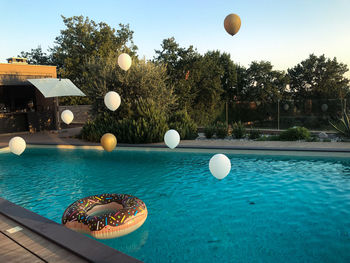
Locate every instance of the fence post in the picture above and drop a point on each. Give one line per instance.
(226, 113)
(278, 114)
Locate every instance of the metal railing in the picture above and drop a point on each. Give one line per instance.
(311, 113)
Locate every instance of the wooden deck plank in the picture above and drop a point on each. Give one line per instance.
(80, 246)
(12, 252)
(35, 243)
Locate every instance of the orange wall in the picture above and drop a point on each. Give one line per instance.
(17, 74)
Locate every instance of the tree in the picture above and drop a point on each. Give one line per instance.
(84, 39)
(263, 84)
(229, 78)
(146, 101)
(201, 83)
(37, 57)
(179, 63)
(319, 78)
(242, 83)
(143, 81)
(177, 59)
(81, 41)
(205, 80)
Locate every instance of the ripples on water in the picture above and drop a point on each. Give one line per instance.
(268, 209)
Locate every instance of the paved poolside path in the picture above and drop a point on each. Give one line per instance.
(66, 137)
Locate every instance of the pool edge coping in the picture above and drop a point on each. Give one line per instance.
(79, 244)
(204, 147)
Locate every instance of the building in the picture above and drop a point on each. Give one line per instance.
(22, 106)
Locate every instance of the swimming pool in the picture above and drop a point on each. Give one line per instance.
(268, 209)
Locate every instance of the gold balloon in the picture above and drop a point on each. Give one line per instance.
(108, 142)
(232, 24)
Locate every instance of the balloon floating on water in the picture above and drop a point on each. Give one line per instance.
(124, 61)
(67, 116)
(112, 100)
(232, 24)
(172, 138)
(219, 166)
(108, 142)
(17, 145)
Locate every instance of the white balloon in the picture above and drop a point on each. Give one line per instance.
(17, 145)
(172, 138)
(219, 166)
(124, 61)
(67, 116)
(112, 100)
(324, 107)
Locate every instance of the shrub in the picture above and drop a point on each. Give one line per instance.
(141, 130)
(93, 130)
(313, 139)
(295, 133)
(268, 138)
(238, 130)
(221, 130)
(254, 134)
(149, 125)
(184, 125)
(343, 125)
(209, 131)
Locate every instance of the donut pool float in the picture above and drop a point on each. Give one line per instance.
(106, 216)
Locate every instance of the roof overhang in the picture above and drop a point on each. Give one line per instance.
(51, 87)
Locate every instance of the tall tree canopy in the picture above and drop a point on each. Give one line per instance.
(144, 81)
(36, 56)
(201, 82)
(177, 59)
(319, 78)
(82, 40)
(262, 83)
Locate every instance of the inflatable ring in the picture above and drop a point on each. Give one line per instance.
(105, 216)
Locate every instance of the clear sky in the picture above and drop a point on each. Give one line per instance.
(284, 32)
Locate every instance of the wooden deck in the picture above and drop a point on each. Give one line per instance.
(27, 246)
(28, 237)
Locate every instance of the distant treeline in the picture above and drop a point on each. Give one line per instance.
(178, 78)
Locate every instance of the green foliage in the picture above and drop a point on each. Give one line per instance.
(254, 134)
(146, 101)
(295, 134)
(238, 130)
(209, 131)
(262, 83)
(93, 130)
(200, 82)
(81, 41)
(221, 130)
(343, 125)
(36, 56)
(314, 139)
(183, 124)
(319, 77)
(144, 80)
(149, 125)
(268, 138)
(86, 52)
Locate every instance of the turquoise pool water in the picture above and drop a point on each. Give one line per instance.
(268, 209)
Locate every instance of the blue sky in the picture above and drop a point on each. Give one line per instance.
(283, 32)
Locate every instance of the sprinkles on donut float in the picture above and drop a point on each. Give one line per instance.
(106, 216)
